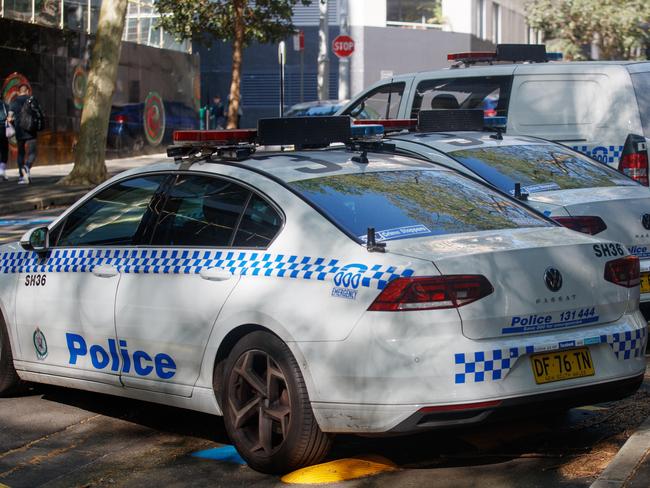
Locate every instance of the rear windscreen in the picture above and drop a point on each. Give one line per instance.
(404, 204)
(538, 168)
(641, 82)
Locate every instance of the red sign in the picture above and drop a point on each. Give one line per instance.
(299, 41)
(343, 46)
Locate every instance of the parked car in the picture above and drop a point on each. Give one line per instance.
(311, 292)
(315, 109)
(127, 126)
(599, 108)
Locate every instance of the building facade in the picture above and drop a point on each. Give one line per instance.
(47, 44)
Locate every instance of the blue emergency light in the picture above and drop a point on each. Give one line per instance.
(495, 122)
(367, 131)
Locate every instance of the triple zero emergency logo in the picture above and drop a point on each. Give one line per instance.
(348, 280)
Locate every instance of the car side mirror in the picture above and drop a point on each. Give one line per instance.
(37, 240)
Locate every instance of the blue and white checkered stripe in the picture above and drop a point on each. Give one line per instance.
(479, 366)
(191, 261)
(604, 154)
(628, 344)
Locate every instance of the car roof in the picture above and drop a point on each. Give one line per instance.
(455, 141)
(290, 166)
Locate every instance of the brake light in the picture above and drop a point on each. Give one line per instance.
(623, 271)
(431, 292)
(634, 160)
(586, 224)
(120, 119)
(217, 137)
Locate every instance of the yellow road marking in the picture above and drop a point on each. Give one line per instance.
(340, 470)
(592, 408)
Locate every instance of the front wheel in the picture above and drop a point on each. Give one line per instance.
(8, 376)
(266, 408)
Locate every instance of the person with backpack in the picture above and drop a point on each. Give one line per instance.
(4, 142)
(26, 116)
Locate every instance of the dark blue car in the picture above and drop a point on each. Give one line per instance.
(131, 130)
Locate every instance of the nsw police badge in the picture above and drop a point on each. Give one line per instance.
(40, 344)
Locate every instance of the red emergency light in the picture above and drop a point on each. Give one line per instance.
(473, 56)
(390, 125)
(216, 137)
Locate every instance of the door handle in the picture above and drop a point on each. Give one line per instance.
(215, 274)
(105, 271)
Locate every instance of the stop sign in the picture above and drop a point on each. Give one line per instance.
(343, 46)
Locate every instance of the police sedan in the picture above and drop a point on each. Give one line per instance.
(574, 190)
(311, 292)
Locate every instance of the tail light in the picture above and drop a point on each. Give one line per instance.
(120, 119)
(431, 292)
(634, 160)
(623, 271)
(586, 224)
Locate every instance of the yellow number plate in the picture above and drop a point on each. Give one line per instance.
(562, 365)
(645, 282)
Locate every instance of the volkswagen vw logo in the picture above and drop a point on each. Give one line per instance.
(553, 279)
(645, 220)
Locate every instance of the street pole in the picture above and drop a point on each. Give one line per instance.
(344, 63)
(282, 54)
(323, 56)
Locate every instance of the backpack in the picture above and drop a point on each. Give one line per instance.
(30, 118)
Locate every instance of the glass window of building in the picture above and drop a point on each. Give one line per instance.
(414, 11)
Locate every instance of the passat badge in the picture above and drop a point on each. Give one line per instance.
(40, 344)
(553, 279)
(645, 220)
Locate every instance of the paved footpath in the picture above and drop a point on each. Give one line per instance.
(44, 192)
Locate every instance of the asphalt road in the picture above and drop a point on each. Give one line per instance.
(58, 437)
(13, 226)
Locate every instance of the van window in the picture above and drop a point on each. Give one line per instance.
(490, 93)
(381, 103)
(641, 82)
(556, 102)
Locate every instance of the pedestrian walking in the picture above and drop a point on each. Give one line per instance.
(27, 118)
(4, 141)
(217, 113)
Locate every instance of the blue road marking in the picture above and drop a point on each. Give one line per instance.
(8, 222)
(226, 454)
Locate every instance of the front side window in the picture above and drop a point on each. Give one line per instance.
(113, 217)
(381, 103)
(488, 93)
(538, 168)
(406, 204)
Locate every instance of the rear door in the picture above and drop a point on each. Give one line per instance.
(169, 300)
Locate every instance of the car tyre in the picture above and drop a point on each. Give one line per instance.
(8, 376)
(267, 412)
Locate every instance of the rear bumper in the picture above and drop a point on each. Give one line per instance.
(522, 406)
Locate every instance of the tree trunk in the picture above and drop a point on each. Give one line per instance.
(237, 48)
(89, 165)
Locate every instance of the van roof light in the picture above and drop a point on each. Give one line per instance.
(391, 125)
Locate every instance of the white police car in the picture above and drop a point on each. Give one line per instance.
(574, 190)
(306, 293)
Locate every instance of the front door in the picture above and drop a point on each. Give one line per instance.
(65, 305)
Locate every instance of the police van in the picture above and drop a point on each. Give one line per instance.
(599, 108)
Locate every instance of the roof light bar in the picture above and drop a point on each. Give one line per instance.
(495, 122)
(534, 53)
(304, 132)
(450, 120)
(366, 131)
(554, 56)
(391, 125)
(216, 137)
(472, 56)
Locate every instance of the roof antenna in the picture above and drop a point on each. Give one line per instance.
(518, 195)
(361, 158)
(371, 242)
(498, 134)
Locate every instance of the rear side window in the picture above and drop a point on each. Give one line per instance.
(538, 168)
(405, 204)
(381, 103)
(259, 224)
(200, 211)
(488, 93)
(641, 82)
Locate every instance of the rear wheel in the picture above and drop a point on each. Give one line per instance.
(8, 375)
(266, 408)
